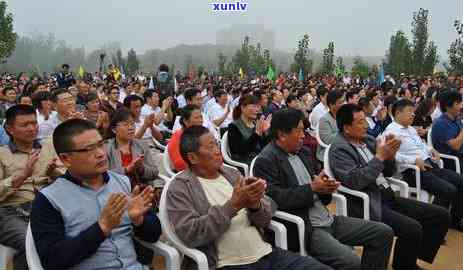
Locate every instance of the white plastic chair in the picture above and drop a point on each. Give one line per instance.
(225, 148)
(317, 137)
(158, 145)
(341, 210)
(167, 163)
(444, 156)
(403, 186)
(169, 253)
(6, 256)
(196, 255)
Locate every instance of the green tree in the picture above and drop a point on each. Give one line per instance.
(455, 64)
(243, 56)
(398, 57)
(268, 60)
(302, 57)
(132, 62)
(327, 65)
(7, 35)
(424, 54)
(340, 67)
(222, 64)
(360, 67)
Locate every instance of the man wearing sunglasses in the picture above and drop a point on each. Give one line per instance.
(25, 166)
(87, 218)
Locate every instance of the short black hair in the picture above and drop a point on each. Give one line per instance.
(333, 96)
(90, 97)
(17, 110)
(448, 98)
(57, 92)
(164, 67)
(321, 92)
(345, 115)
(189, 141)
(65, 132)
(284, 121)
(38, 97)
(190, 93)
(6, 89)
(119, 116)
(149, 94)
(186, 112)
(364, 102)
(219, 93)
(65, 66)
(131, 98)
(291, 98)
(350, 94)
(389, 100)
(400, 105)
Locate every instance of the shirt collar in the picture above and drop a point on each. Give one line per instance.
(78, 182)
(446, 117)
(14, 149)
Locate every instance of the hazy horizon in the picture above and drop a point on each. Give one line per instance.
(356, 27)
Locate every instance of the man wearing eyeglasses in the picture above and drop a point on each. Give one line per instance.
(25, 166)
(87, 218)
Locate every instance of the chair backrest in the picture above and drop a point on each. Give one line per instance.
(251, 167)
(326, 163)
(317, 136)
(429, 138)
(33, 260)
(224, 147)
(167, 163)
(167, 227)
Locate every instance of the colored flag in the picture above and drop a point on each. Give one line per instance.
(241, 72)
(338, 72)
(301, 75)
(270, 74)
(116, 73)
(381, 75)
(81, 72)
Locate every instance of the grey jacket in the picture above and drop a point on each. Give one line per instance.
(138, 148)
(327, 130)
(198, 224)
(353, 172)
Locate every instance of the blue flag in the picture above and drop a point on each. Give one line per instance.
(301, 75)
(381, 75)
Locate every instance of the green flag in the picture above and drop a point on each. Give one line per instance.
(270, 74)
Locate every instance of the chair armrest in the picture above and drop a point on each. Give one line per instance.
(455, 159)
(281, 238)
(300, 228)
(363, 196)
(341, 204)
(417, 179)
(403, 186)
(169, 253)
(159, 145)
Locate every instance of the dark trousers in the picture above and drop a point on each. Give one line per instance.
(332, 245)
(281, 259)
(13, 234)
(419, 227)
(445, 184)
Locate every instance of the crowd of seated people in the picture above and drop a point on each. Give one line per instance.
(77, 164)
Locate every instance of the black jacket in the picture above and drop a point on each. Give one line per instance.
(282, 186)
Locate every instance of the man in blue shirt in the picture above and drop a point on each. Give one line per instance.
(86, 219)
(447, 133)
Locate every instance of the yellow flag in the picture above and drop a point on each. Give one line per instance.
(116, 73)
(81, 72)
(241, 73)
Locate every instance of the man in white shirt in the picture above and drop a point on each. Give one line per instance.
(65, 105)
(193, 97)
(319, 110)
(445, 184)
(220, 113)
(144, 128)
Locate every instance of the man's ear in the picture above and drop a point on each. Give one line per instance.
(65, 159)
(193, 158)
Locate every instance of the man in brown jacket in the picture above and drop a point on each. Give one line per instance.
(218, 212)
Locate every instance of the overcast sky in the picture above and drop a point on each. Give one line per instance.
(358, 27)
